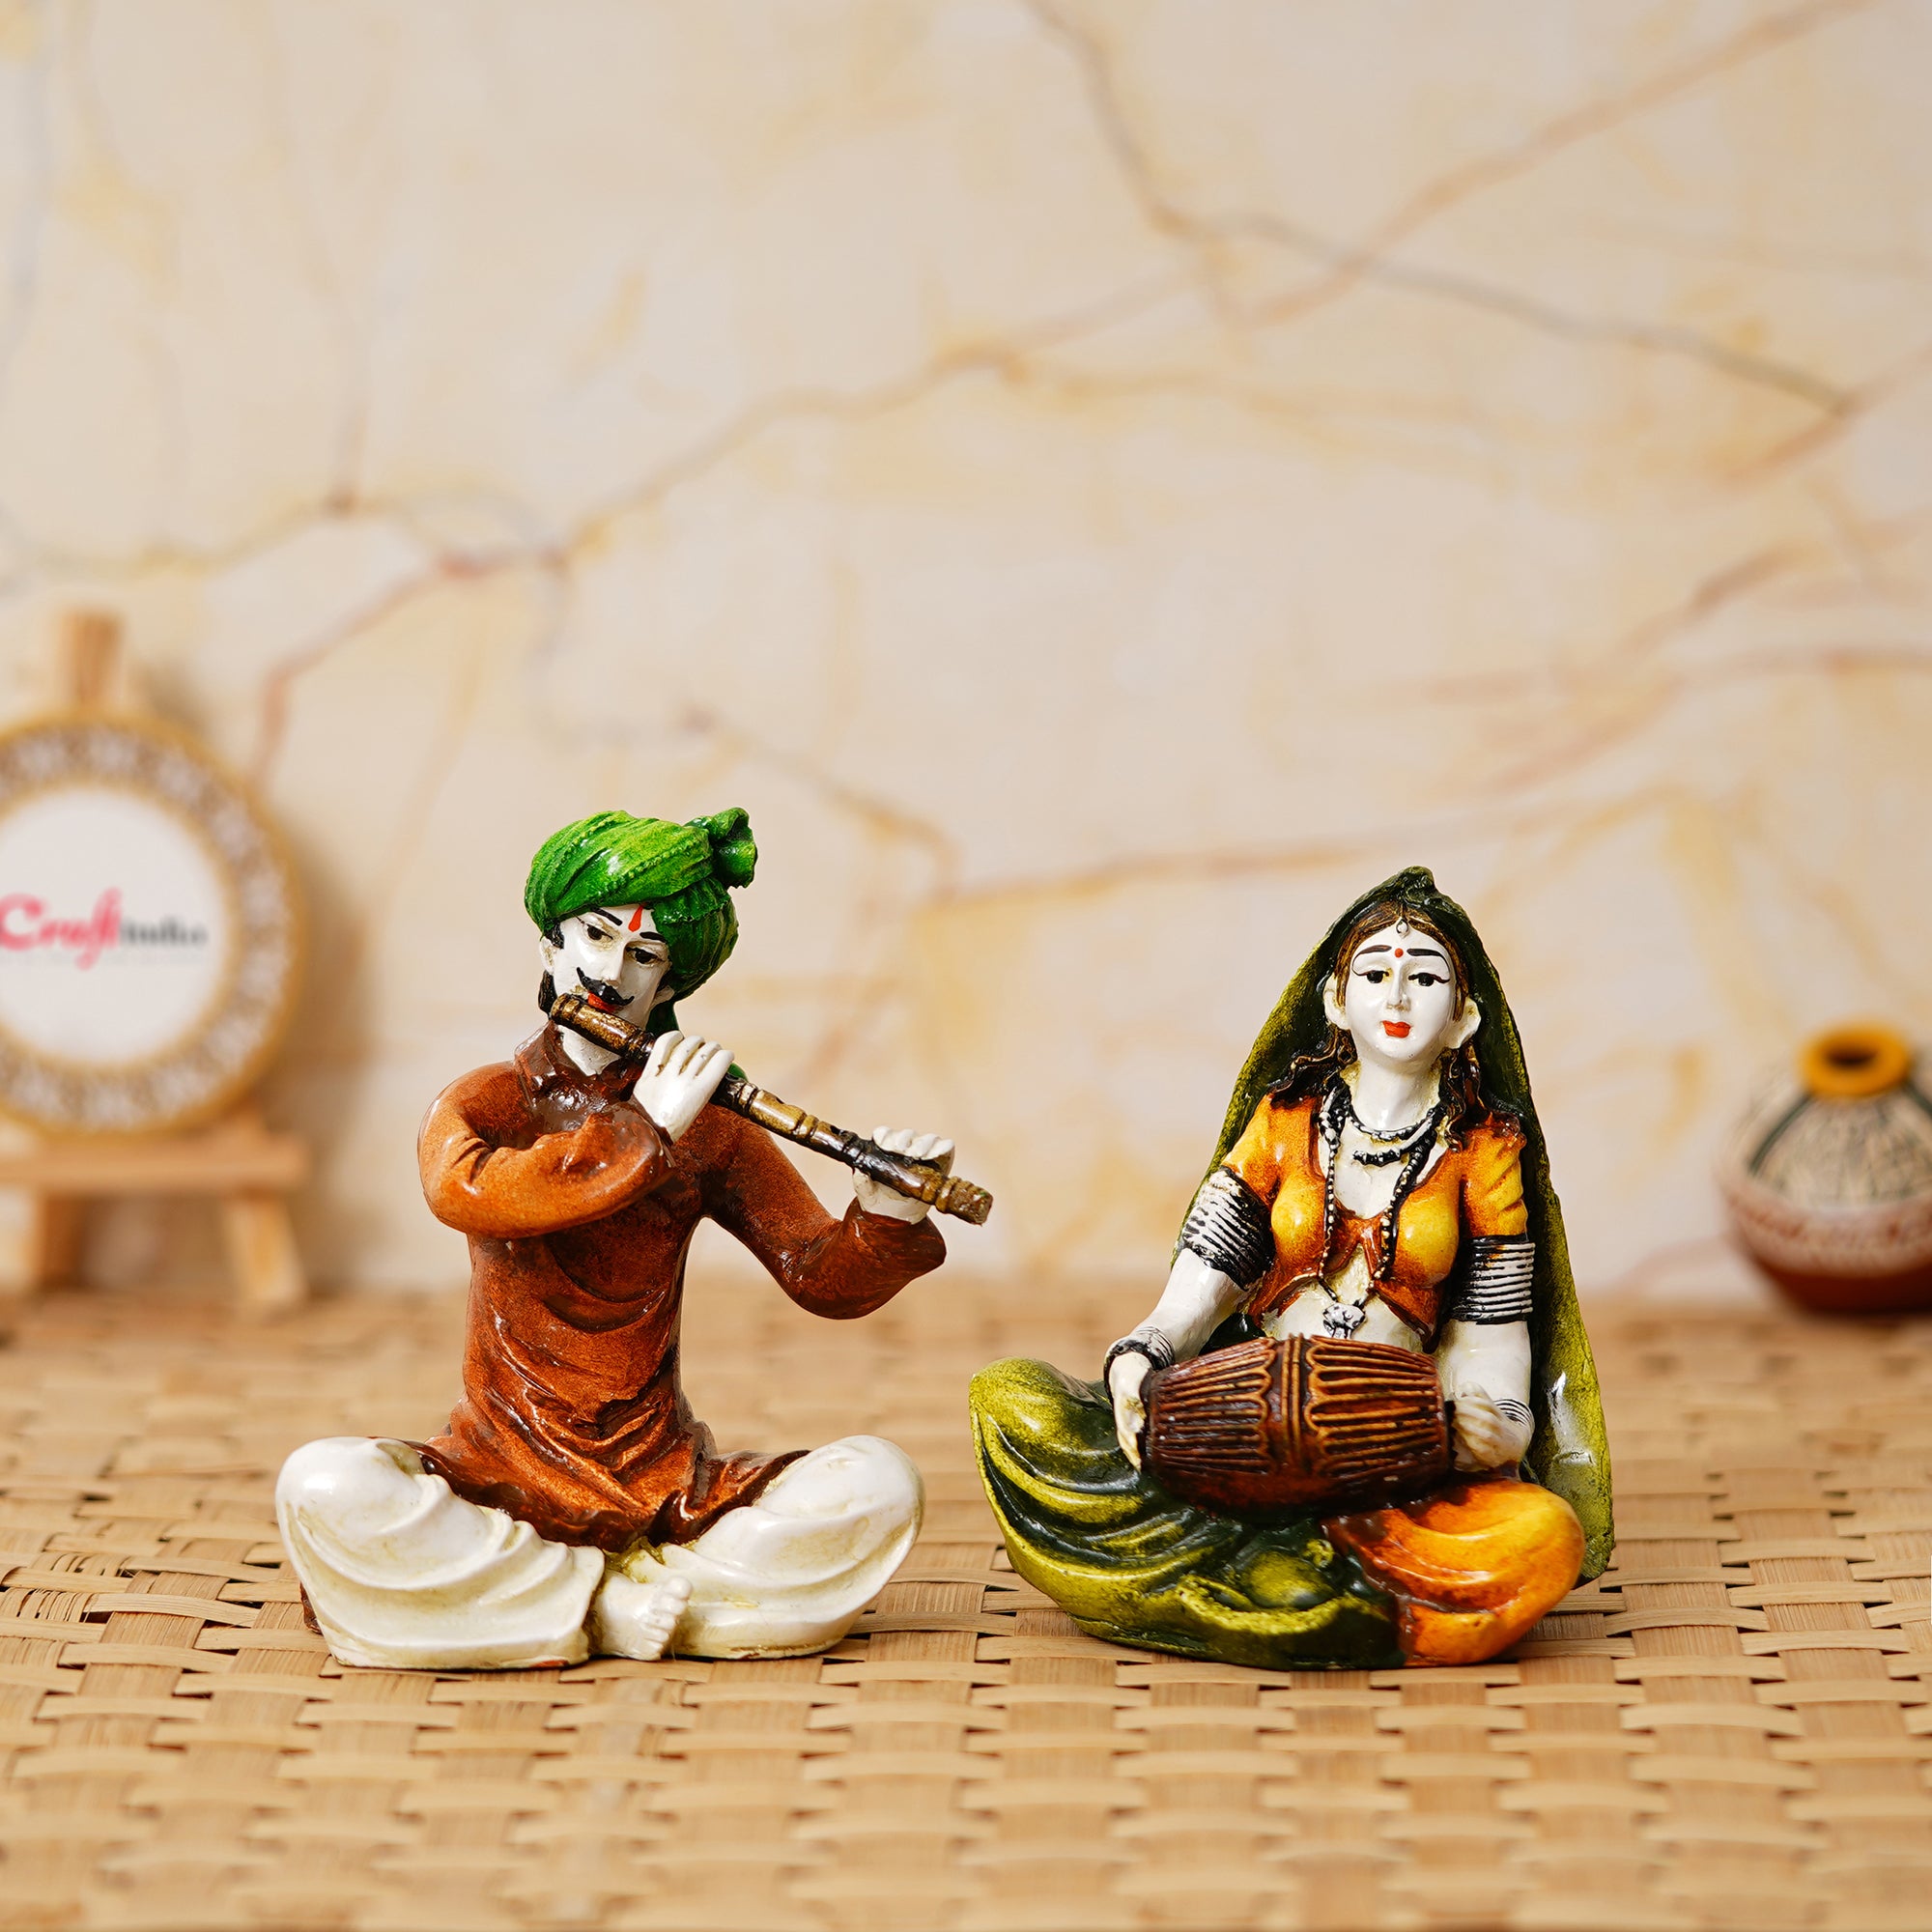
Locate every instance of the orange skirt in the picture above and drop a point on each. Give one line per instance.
(1472, 1567)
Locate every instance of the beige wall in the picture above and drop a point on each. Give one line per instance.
(1100, 483)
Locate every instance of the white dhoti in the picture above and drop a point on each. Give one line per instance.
(784, 1575)
(404, 1573)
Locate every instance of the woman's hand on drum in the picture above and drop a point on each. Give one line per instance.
(1488, 1436)
(1126, 1381)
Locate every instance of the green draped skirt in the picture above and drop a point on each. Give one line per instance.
(1134, 1565)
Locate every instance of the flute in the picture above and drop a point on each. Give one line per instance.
(917, 1179)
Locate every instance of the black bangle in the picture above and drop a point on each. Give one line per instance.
(1155, 1349)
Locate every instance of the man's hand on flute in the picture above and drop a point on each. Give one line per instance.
(679, 1078)
(929, 1150)
(900, 1175)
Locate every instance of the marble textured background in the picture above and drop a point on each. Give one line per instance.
(1100, 483)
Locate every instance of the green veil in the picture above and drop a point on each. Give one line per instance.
(1568, 1454)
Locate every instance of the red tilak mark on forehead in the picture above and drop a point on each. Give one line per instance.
(637, 918)
(1398, 952)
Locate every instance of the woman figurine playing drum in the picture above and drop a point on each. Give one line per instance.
(1381, 1180)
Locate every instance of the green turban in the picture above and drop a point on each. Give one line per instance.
(679, 871)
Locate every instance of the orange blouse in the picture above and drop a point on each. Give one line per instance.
(1474, 1189)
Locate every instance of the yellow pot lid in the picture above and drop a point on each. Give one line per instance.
(1854, 1063)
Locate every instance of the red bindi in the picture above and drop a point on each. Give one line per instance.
(637, 918)
(1398, 952)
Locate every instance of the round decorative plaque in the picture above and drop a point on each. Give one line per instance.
(148, 929)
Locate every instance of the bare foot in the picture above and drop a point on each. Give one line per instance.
(635, 1619)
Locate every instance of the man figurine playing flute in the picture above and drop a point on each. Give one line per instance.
(573, 1505)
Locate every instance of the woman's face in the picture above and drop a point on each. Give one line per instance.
(1398, 1001)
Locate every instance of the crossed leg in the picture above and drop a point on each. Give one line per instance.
(402, 1573)
(784, 1575)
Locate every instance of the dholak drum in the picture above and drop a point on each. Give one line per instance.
(1273, 1428)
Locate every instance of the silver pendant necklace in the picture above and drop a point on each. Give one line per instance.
(1341, 1318)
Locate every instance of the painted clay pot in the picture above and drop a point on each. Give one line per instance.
(1272, 1428)
(1829, 1177)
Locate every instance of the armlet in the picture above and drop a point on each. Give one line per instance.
(1498, 1287)
(1228, 1228)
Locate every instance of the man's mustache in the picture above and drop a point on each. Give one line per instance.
(607, 995)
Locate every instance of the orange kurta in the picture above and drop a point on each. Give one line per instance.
(579, 1214)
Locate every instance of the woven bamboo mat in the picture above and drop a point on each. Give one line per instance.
(1730, 1731)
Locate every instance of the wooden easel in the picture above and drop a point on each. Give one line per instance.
(237, 1162)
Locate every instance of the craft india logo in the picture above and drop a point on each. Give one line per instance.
(27, 927)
